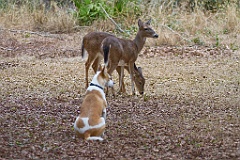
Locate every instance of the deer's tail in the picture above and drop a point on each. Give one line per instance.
(106, 49)
(83, 51)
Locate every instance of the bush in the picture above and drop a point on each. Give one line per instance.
(88, 10)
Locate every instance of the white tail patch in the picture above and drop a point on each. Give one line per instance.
(84, 55)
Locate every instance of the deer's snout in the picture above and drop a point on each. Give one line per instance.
(155, 36)
(110, 83)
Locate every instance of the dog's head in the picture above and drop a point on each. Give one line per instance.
(104, 78)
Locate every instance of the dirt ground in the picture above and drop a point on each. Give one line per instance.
(190, 109)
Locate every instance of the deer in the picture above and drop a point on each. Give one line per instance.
(116, 50)
(91, 44)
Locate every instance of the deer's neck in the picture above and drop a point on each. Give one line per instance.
(139, 41)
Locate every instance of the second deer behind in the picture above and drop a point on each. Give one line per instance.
(118, 51)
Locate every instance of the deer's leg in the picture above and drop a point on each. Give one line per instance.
(87, 66)
(120, 70)
(131, 67)
(121, 77)
(96, 65)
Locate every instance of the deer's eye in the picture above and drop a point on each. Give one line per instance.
(146, 29)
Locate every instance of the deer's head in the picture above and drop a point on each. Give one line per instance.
(146, 29)
(139, 79)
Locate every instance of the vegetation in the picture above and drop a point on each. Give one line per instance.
(207, 22)
(88, 11)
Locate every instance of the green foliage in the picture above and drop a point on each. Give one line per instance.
(126, 7)
(89, 10)
(225, 31)
(3, 4)
(146, 97)
(217, 41)
(234, 46)
(197, 41)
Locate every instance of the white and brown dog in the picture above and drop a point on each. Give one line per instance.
(90, 124)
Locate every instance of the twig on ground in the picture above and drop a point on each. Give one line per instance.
(8, 49)
(43, 34)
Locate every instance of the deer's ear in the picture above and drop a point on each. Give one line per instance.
(149, 21)
(140, 23)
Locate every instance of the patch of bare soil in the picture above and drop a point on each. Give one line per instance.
(190, 109)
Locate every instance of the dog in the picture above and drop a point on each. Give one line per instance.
(90, 124)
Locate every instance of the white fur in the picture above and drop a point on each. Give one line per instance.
(87, 126)
(90, 88)
(84, 54)
(95, 138)
(110, 83)
(95, 81)
(104, 113)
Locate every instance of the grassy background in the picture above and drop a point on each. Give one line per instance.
(178, 22)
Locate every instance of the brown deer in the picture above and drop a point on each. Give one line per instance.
(92, 45)
(117, 50)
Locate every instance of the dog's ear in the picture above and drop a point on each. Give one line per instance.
(104, 71)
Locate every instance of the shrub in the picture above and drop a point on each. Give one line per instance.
(88, 10)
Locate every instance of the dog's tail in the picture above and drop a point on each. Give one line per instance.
(106, 49)
(95, 138)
